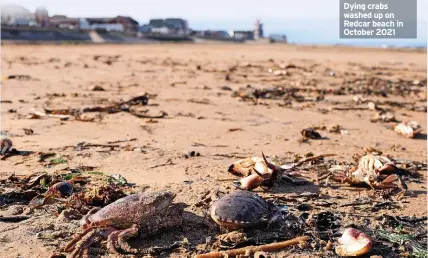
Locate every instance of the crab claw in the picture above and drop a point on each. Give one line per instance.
(249, 183)
(353, 243)
(273, 176)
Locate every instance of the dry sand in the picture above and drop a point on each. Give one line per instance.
(200, 116)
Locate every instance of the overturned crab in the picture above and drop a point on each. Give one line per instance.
(243, 209)
(255, 172)
(378, 172)
(146, 213)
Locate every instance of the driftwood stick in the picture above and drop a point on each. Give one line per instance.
(252, 249)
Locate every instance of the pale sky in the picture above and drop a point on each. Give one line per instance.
(305, 17)
(201, 10)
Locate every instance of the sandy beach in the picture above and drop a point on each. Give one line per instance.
(199, 99)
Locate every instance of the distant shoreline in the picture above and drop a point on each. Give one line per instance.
(298, 46)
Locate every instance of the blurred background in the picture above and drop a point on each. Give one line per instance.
(300, 22)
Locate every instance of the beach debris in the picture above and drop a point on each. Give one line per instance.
(43, 199)
(13, 219)
(20, 77)
(5, 144)
(395, 238)
(325, 223)
(35, 114)
(100, 195)
(124, 106)
(383, 116)
(250, 250)
(372, 106)
(123, 219)
(378, 172)
(261, 254)
(359, 99)
(353, 243)
(97, 88)
(232, 239)
(118, 179)
(408, 129)
(28, 131)
(310, 133)
(192, 154)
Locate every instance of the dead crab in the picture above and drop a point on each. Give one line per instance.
(376, 171)
(242, 209)
(146, 213)
(255, 172)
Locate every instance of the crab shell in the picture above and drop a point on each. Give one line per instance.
(353, 243)
(239, 209)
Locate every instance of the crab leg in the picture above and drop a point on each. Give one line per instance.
(84, 243)
(273, 177)
(388, 183)
(70, 246)
(111, 241)
(125, 235)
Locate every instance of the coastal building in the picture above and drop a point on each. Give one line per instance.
(278, 38)
(119, 23)
(218, 34)
(106, 24)
(146, 28)
(129, 24)
(64, 22)
(170, 26)
(242, 34)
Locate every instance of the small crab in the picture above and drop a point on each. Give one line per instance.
(146, 213)
(241, 209)
(378, 172)
(256, 172)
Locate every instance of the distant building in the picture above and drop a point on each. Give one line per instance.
(42, 16)
(173, 26)
(278, 38)
(106, 24)
(129, 24)
(64, 22)
(119, 23)
(212, 34)
(156, 23)
(146, 28)
(242, 34)
(177, 26)
(258, 30)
